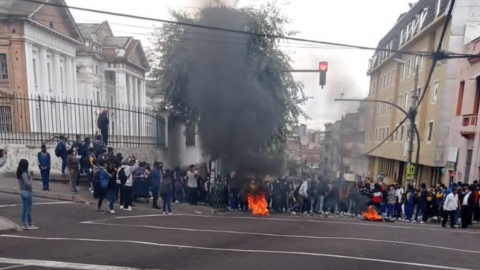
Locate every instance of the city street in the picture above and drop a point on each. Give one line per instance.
(73, 236)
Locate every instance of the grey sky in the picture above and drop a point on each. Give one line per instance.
(344, 21)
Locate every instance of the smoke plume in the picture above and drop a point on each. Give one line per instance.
(238, 112)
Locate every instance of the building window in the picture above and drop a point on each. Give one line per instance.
(406, 101)
(35, 75)
(435, 92)
(381, 83)
(430, 131)
(395, 136)
(393, 77)
(49, 75)
(409, 67)
(3, 67)
(190, 135)
(387, 133)
(401, 133)
(6, 119)
(400, 100)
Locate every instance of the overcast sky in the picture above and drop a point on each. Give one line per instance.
(343, 21)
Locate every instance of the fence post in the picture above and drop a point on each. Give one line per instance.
(91, 117)
(40, 113)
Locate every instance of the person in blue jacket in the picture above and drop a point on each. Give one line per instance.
(409, 197)
(62, 151)
(103, 180)
(44, 164)
(156, 176)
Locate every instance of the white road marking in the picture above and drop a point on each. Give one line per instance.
(12, 267)
(40, 203)
(288, 236)
(275, 252)
(64, 265)
(152, 215)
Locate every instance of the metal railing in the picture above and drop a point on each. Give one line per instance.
(35, 119)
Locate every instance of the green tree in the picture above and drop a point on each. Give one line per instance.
(182, 54)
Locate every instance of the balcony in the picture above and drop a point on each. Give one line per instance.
(469, 125)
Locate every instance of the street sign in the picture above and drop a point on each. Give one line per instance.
(410, 171)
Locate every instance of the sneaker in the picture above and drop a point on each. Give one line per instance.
(128, 209)
(32, 227)
(170, 213)
(414, 221)
(293, 213)
(121, 207)
(79, 188)
(164, 213)
(421, 222)
(100, 211)
(92, 191)
(176, 201)
(112, 211)
(24, 227)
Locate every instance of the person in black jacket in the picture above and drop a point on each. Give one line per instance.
(468, 202)
(103, 123)
(422, 204)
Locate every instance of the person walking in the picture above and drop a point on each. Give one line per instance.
(399, 197)
(103, 123)
(103, 179)
(121, 180)
(192, 185)
(422, 204)
(112, 189)
(44, 164)
(25, 184)
(156, 176)
(61, 152)
(352, 196)
(166, 192)
(450, 206)
(72, 164)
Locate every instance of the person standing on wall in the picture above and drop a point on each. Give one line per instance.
(44, 164)
(103, 123)
(25, 183)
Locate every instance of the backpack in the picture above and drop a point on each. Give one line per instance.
(164, 188)
(103, 181)
(122, 176)
(58, 151)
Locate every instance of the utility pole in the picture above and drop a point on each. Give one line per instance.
(412, 114)
(342, 147)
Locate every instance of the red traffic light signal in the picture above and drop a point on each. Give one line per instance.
(323, 66)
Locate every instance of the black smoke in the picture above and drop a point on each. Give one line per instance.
(238, 109)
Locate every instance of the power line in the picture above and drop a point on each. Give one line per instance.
(223, 29)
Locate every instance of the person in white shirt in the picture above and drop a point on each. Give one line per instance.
(128, 187)
(192, 185)
(302, 197)
(398, 201)
(450, 206)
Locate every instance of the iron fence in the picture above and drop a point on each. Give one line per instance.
(37, 119)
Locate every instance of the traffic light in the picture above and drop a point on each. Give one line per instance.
(323, 67)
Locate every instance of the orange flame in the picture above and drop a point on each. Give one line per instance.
(372, 214)
(258, 204)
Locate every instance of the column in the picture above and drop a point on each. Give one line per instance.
(68, 80)
(57, 91)
(130, 104)
(74, 80)
(43, 71)
(30, 86)
(57, 108)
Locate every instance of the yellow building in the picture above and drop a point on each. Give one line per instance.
(392, 79)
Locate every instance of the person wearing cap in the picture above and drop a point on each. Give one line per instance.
(103, 123)
(44, 164)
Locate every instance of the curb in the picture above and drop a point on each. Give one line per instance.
(218, 211)
(7, 226)
(49, 195)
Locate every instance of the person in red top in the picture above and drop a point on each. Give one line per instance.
(377, 196)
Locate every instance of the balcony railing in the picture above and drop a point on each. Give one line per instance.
(469, 120)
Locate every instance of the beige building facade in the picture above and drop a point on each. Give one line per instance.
(418, 30)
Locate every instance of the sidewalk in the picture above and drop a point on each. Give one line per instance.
(60, 190)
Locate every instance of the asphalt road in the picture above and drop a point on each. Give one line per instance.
(73, 236)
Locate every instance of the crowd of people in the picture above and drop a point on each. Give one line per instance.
(459, 202)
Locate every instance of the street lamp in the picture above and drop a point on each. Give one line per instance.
(412, 114)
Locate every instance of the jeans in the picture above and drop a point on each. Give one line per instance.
(167, 203)
(45, 179)
(446, 215)
(192, 195)
(26, 207)
(64, 163)
(112, 196)
(234, 200)
(466, 213)
(320, 200)
(73, 180)
(421, 208)
(122, 196)
(352, 207)
(390, 210)
(408, 211)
